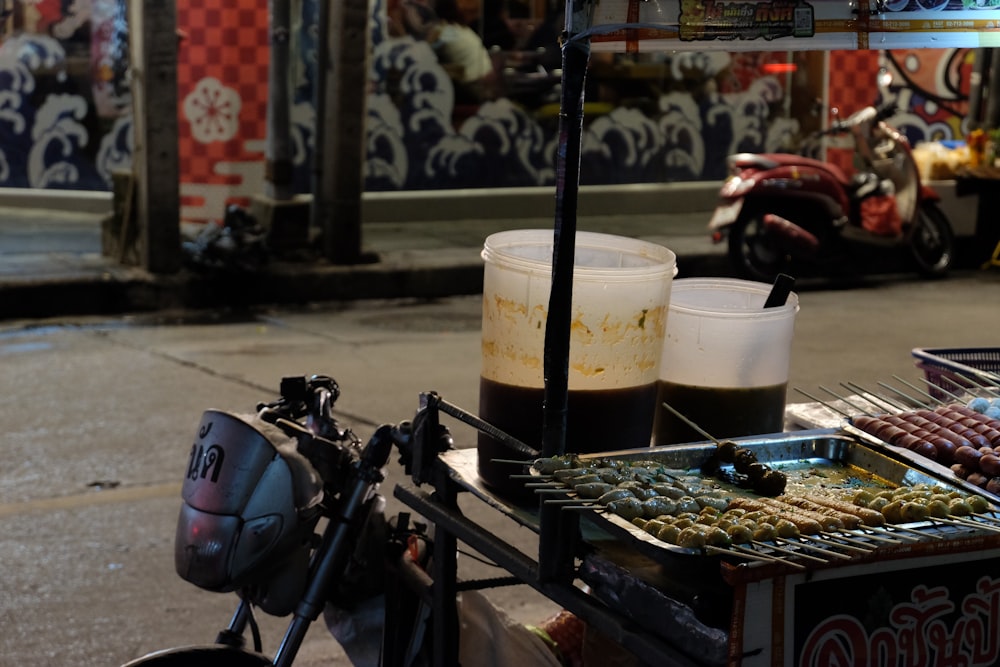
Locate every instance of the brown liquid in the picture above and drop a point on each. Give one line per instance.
(723, 412)
(596, 421)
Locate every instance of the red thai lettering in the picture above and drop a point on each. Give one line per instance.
(917, 633)
(839, 641)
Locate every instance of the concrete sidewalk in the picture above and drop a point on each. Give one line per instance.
(426, 245)
(51, 264)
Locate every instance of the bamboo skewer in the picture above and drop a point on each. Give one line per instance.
(813, 544)
(920, 404)
(846, 542)
(866, 392)
(839, 397)
(967, 522)
(922, 534)
(745, 552)
(683, 418)
(874, 536)
(917, 389)
(798, 554)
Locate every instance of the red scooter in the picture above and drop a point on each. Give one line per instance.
(780, 210)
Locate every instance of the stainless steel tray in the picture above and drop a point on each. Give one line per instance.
(813, 459)
(933, 468)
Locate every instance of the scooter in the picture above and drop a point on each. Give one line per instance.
(779, 210)
(282, 508)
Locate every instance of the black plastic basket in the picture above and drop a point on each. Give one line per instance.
(959, 371)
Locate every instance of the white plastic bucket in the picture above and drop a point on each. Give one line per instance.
(621, 294)
(725, 361)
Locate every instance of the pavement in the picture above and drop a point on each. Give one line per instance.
(99, 412)
(425, 245)
(51, 264)
(106, 371)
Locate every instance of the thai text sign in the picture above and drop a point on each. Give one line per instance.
(793, 25)
(929, 609)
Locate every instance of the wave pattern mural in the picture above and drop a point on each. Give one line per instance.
(65, 108)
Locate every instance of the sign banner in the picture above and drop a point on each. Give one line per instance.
(792, 25)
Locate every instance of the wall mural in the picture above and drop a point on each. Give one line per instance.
(65, 123)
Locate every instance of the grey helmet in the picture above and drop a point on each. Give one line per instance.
(250, 504)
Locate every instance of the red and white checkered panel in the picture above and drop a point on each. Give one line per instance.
(222, 98)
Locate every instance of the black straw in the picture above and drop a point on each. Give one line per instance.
(782, 287)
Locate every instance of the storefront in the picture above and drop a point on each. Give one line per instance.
(653, 115)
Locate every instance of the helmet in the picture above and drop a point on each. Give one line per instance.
(250, 504)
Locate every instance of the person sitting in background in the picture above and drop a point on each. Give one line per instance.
(459, 48)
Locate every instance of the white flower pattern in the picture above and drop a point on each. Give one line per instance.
(213, 111)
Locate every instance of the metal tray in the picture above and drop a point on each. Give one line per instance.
(812, 458)
(939, 470)
(827, 458)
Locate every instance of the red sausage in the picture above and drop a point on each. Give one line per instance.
(903, 435)
(978, 416)
(977, 439)
(968, 457)
(936, 428)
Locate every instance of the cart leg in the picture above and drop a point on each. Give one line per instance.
(445, 589)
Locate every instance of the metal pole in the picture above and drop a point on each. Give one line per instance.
(278, 151)
(558, 530)
(317, 205)
(338, 192)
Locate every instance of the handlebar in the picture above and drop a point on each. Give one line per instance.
(870, 113)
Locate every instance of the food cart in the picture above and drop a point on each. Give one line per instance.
(921, 593)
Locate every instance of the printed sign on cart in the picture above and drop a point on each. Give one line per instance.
(754, 25)
(931, 610)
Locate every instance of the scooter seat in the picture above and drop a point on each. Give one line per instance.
(771, 160)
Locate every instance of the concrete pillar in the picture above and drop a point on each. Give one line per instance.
(340, 122)
(155, 170)
(278, 151)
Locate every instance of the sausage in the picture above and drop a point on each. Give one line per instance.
(592, 490)
(849, 520)
(924, 419)
(879, 428)
(565, 474)
(899, 432)
(868, 517)
(951, 421)
(658, 506)
(627, 508)
(613, 495)
(968, 457)
(979, 427)
(909, 427)
(805, 525)
(978, 416)
(548, 465)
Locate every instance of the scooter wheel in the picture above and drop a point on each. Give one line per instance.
(201, 656)
(932, 243)
(754, 253)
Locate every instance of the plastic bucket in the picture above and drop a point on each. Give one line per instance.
(621, 294)
(725, 360)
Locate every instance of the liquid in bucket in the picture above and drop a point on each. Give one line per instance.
(725, 361)
(621, 293)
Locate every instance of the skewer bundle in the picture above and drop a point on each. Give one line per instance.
(692, 512)
(962, 434)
